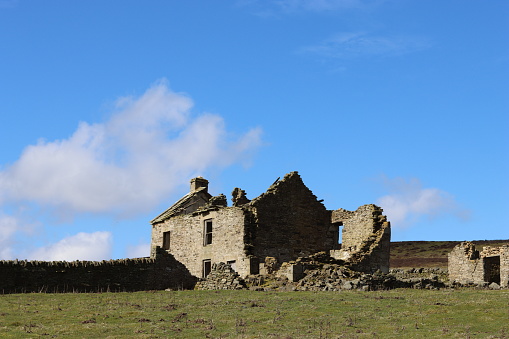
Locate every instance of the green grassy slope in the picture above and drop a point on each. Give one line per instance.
(403, 313)
(406, 254)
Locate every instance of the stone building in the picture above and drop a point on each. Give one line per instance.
(470, 266)
(366, 238)
(282, 224)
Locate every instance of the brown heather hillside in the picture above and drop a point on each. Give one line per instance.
(408, 254)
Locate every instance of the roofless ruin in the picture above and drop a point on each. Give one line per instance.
(285, 236)
(282, 224)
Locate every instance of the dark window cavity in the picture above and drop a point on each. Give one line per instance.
(207, 239)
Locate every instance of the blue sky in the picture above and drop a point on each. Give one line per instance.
(109, 108)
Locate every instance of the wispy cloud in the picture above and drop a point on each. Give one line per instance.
(82, 246)
(138, 251)
(408, 202)
(360, 44)
(8, 227)
(119, 168)
(14, 227)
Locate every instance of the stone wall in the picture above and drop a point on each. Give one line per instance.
(366, 238)
(469, 266)
(293, 271)
(187, 238)
(464, 264)
(288, 221)
(163, 272)
(504, 266)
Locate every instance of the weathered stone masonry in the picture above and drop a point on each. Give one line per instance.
(284, 223)
(470, 266)
(288, 222)
(141, 274)
(200, 234)
(187, 237)
(366, 238)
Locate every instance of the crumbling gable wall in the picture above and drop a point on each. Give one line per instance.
(287, 222)
(366, 238)
(470, 266)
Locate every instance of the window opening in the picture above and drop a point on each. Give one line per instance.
(207, 239)
(340, 234)
(166, 240)
(207, 267)
(232, 264)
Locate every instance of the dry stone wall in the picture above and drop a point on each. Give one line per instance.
(163, 272)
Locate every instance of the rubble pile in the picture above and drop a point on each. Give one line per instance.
(221, 277)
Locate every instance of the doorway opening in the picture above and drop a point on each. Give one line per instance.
(492, 269)
(207, 267)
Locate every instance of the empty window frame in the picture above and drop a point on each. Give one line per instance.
(166, 240)
(232, 264)
(206, 267)
(207, 232)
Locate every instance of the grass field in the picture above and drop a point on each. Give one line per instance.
(249, 314)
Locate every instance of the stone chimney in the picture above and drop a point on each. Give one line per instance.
(199, 182)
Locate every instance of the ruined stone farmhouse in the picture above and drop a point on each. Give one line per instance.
(470, 266)
(282, 224)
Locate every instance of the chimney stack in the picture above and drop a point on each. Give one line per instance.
(198, 182)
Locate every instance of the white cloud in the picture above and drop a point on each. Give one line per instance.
(408, 201)
(119, 168)
(127, 164)
(361, 44)
(138, 251)
(13, 229)
(82, 246)
(8, 227)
